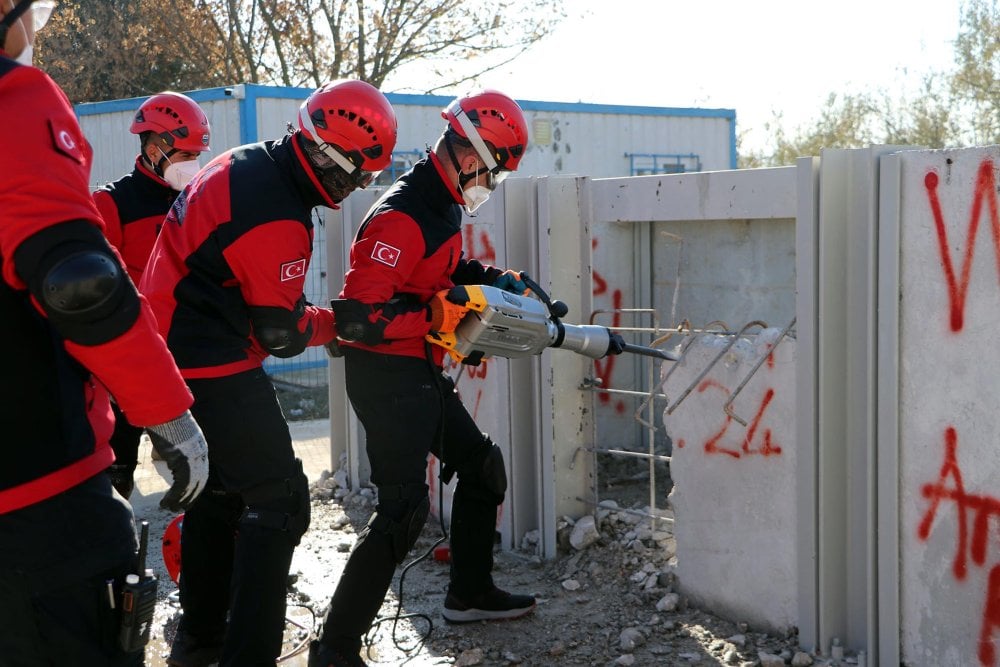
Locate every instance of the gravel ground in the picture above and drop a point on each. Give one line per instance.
(609, 598)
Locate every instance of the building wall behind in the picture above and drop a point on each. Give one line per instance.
(581, 139)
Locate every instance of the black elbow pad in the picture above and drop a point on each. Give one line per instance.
(76, 278)
(81, 283)
(277, 329)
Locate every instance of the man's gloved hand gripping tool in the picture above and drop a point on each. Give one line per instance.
(503, 324)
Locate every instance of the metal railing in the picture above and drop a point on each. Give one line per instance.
(645, 413)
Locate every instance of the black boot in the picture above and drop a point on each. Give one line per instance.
(327, 656)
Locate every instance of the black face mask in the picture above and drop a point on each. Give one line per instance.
(336, 182)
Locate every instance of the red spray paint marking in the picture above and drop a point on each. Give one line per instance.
(479, 371)
(488, 254)
(600, 284)
(985, 189)
(982, 507)
(475, 410)
(768, 447)
(991, 619)
(605, 368)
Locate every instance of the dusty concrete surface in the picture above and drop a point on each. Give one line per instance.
(611, 602)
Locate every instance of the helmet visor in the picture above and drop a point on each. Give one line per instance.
(496, 177)
(359, 177)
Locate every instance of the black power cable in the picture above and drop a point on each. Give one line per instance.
(369, 639)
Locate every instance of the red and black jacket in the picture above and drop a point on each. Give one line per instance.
(133, 209)
(54, 409)
(409, 247)
(232, 257)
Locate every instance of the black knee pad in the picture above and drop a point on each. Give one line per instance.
(411, 504)
(493, 471)
(281, 504)
(483, 474)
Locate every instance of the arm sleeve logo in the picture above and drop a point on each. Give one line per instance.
(293, 270)
(64, 142)
(386, 254)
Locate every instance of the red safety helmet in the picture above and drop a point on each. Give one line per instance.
(175, 118)
(494, 124)
(353, 124)
(172, 547)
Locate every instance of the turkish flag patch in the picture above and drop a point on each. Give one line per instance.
(385, 253)
(65, 140)
(293, 270)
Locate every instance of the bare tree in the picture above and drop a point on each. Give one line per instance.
(107, 49)
(308, 42)
(957, 107)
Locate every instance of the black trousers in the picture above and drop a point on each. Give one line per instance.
(229, 564)
(56, 560)
(402, 402)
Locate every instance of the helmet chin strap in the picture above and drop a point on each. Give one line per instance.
(12, 15)
(463, 178)
(157, 166)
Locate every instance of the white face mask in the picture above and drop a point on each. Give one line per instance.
(475, 197)
(26, 55)
(179, 174)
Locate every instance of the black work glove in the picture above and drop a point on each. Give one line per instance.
(616, 344)
(121, 479)
(333, 349)
(182, 445)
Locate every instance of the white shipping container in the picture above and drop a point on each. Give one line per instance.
(595, 140)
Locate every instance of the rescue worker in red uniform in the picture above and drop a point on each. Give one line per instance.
(408, 248)
(173, 131)
(225, 281)
(76, 329)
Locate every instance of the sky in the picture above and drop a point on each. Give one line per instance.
(759, 57)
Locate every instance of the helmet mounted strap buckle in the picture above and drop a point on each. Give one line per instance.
(472, 134)
(327, 149)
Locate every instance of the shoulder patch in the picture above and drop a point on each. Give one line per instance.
(65, 141)
(293, 270)
(386, 254)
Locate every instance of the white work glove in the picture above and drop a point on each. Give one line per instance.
(182, 445)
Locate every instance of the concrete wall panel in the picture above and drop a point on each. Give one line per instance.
(948, 420)
(734, 494)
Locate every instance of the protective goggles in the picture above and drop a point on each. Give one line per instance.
(359, 177)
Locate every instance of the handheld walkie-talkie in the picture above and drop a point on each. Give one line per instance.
(138, 601)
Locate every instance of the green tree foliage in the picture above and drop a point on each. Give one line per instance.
(975, 84)
(108, 49)
(960, 107)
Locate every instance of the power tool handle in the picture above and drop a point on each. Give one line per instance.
(535, 287)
